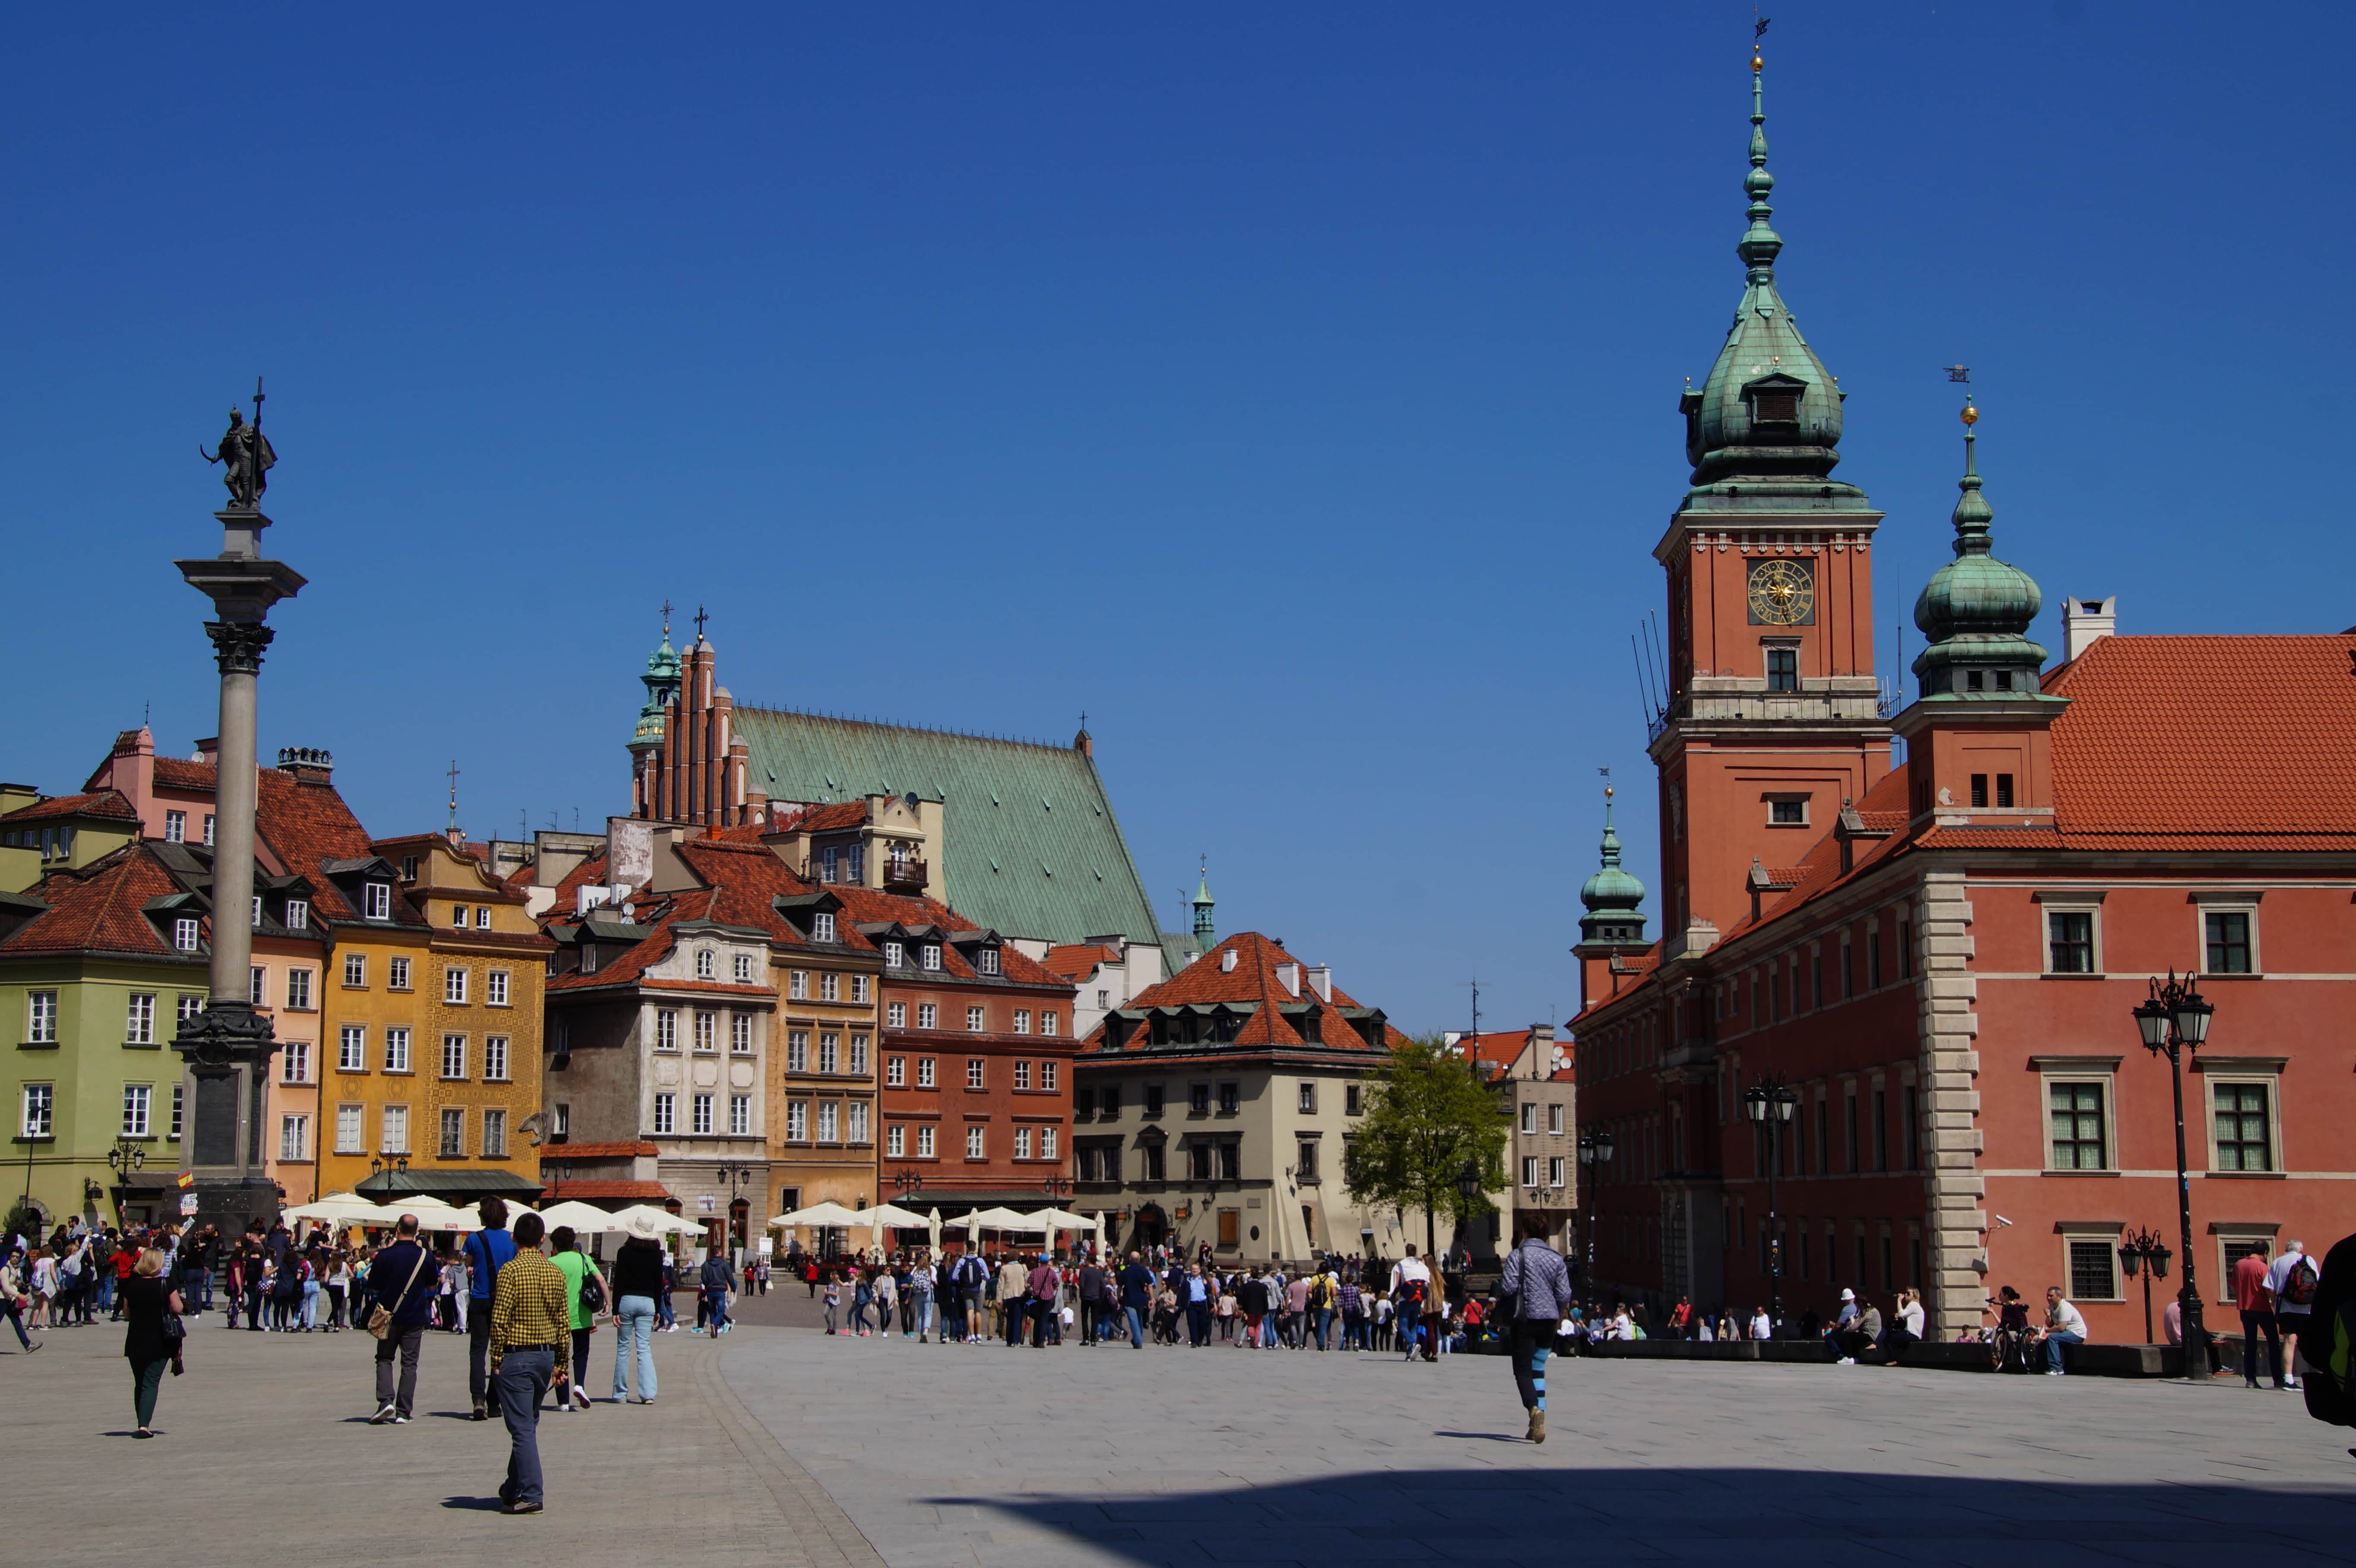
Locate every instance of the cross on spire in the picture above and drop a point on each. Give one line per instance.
(453, 777)
(665, 618)
(700, 618)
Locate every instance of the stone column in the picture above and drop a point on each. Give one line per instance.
(226, 1049)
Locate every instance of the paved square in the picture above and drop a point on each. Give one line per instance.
(1059, 1458)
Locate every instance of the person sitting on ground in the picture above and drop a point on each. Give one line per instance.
(1762, 1326)
(1843, 1321)
(1904, 1330)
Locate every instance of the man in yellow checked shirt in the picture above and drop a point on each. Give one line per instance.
(531, 1330)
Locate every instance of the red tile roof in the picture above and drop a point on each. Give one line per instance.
(825, 818)
(583, 1152)
(306, 824)
(182, 773)
(106, 803)
(1079, 960)
(1253, 979)
(1501, 1048)
(608, 1191)
(98, 908)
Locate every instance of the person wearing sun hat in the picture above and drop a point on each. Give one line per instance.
(637, 1283)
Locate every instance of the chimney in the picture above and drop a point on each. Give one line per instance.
(1289, 976)
(209, 751)
(1320, 980)
(2085, 621)
(309, 764)
(1227, 961)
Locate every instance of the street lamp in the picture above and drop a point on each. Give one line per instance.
(907, 1179)
(2145, 1248)
(126, 1157)
(2173, 1020)
(1057, 1187)
(1770, 1102)
(1594, 1154)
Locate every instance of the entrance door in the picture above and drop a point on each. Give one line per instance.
(1151, 1230)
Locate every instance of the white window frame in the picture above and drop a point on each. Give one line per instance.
(896, 1072)
(494, 1134)
(797, 1121)
(494, 989)
(699, 1113)
(896, 1016)
(743, 968)
(927, 1016)
(707, 963)
(351, 1128)
(1558, 1170)
(41, 1017)
(740, 1034)
(925, 1140)
(495, 1052)
(450, 1136)
(299, 990)
(36, 1111)
(138, 1108)
(707, 1032)
(176, 828)
(295, 1137)
(829, 1121)
(2070, 901)
(1529, 1122)
(355, 969)
(976, 1147)
(666, 1113)
(1530, 1172)
(829, 1051)
(930, 955)
(859, 988)
(830, 986)
(855, 1122)
(1023, 1020)
(975, 1071)
(397, 971)
(393, 1128)
(187, 933)
(927, 1072)
(1023, 1143)
(454, 986)
(798, 984)
(859, 1056)
(985, 960)
(895, 1141)
(396, 1050)
(139, 1019)
(2220, 1072)
(896, 955)
(666, 1028)
(1049, 1075)
(974, 1018)
(376, 899)
(739, 1116)
(351, 1048)
(454, 1054)
(2053, 1070)
(1021, 1074)
(822, 927)
(294, 1062)
(797, 1050)
(1048, 1021)
(298, 914)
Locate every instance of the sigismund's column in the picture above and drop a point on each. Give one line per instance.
(226, 1050)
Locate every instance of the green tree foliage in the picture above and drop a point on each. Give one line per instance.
(1428, 1113)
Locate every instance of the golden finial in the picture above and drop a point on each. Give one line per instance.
(1971, 414)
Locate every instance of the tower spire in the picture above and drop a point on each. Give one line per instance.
(1973, 514)
(1760, 243)
(1976, 610)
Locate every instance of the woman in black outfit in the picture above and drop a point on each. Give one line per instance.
(145, 1299)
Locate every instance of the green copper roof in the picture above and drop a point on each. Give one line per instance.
(1612, 896)
(662, 680)
(1769, 407)
(1975, 609)
(1032, 849)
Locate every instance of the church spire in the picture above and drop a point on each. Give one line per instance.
(1205, 931)
(1760, 243)
(1976, 610)
(1614, 898)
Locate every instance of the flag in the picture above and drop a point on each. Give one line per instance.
(184, 1179)
(1959, 373)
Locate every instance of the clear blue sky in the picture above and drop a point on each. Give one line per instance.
(1296, 395)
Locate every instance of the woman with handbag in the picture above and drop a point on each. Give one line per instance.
(586, 1296)
(152, 1341)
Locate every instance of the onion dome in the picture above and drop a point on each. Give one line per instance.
(1769, 408)
(1976, 610)
(1614, 898)
(661, 678)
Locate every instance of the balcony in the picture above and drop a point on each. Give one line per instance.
(904, 874)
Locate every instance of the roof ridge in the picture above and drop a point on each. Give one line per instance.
(741, 707)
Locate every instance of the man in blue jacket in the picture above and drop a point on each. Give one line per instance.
(1136, 1295)
(403, 1279)
(488, 1252)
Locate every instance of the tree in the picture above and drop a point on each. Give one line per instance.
(1427, 1114)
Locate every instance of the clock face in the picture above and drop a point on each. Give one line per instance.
(1782, 594)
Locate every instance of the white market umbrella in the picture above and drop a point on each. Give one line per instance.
(829, 1214)
(933, 1224)
(1060, 1219)
(663, 1221)
(893, 1215)
(992, 1220)
(344, 1209)
(585, 1217)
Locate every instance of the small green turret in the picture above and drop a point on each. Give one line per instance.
(1614, 897)
(662, 692)
(1976, 610)
(1207, 934)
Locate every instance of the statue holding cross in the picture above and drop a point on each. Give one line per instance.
(245, 456)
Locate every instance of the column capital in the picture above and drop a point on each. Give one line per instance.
(238, 644)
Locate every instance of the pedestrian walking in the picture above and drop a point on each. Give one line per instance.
(584, 1298)
(637, 1282)
(11, 1297)
(2256, 1304)
(401, 1283)
(530, 1315)
(2291, 1282)
(1410, 1290)
(718, 1281)
(152, 1338)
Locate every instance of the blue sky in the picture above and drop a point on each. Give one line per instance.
(1295, 394)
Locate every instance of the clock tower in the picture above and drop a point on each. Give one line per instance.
(1774, 715)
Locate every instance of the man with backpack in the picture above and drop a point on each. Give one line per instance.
(488, 1252)
(1410, 1292)
(2292, 1283)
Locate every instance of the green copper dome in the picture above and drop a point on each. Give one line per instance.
(1614, 898)
(1976, 610)
(662, 689)
(1769, 408)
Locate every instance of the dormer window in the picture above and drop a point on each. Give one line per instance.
(257, 912)
(822, 928)
(704, 964)
(298, 914)
(744, 967)
(1776, 401)
(184, 933)
(896, 955)
(376, 900)
(409, 868)
(985, 960)
(931, 955)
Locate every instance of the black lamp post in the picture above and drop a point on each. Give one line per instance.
(1770, 1103)
(1594, 1154)
(2174, 1020)
(907, 1179)
(1468, 1191)
(126, 1157)
(2144, 1251)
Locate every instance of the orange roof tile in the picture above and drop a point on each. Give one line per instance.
(1077, 960)
(1253, 979)
(106, 803)
(608, 1191)
(633, 1150)
(97, 908)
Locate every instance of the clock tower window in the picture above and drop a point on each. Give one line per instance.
(1783, 669)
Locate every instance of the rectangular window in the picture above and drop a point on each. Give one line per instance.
(139, 1026)
(1980, 792)
(176, 828)
(563, 1114)
(454, 1133)
(394, 1127)
(2075, 1114)
(973, 1068)
(355, 969)
(744, 967)
(2092, 1276)
(2070, 938)
(495, 988)
(829, 1118)
(701, 1108)
(1023, 1143)
(1849, 1111)
(396, 1050)
(829, 1052)
(1910, 1105)
(186, 933)
(1047, 1144)
(1354, 1101)
(298, 989)
(1230, 1162)
(798, 984)
(927, 1016)
(459, 916)
(973, 1020)
(1022, 1075)
(666, 1028)
(797, 1121)
(896, 1072)
(2228, 936)
(925, 1072)
(2004, 792)
(495, 1134)
(1529, 1119)
(707, 1032)
(298, 915)
(1554, 1120)
(2243, 1136)
(1873, 960)
(1847, 970)
(294, 1137)
(924, 1142)
(454, 1056)
(1529, 1169)
(857, 1131)
(1788, 812)
(454, 985)
(1230, 1097)
(931, 955)
(376, 898)
(859, 988)
(985, 960)
(797, 1050)
(896, 1016)
(135, 1097)
(1906, 950)
(294, 1057)
(859, 1055)
(178, 1091)
(1198, 1099)
(973, 1146)
(666, 1113)
(740, 1034)
(208, 829)
(351, 1048)
(740, 1114)
(830, 986)
(895, 1140)
(39, 1119)
(896, 955)
(1881, 1128)
(495, 1059)
(348, 1129)
(1783, 669)
(1557, 1167)
(483, 917)
(1050, 1074)
(257, 986)
(1023, 1020)
(822, 928)
(397, 974)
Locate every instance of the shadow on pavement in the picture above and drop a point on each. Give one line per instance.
(1547, 1515)
(472, 1505)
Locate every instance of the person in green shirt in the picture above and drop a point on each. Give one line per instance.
(578, 1267)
